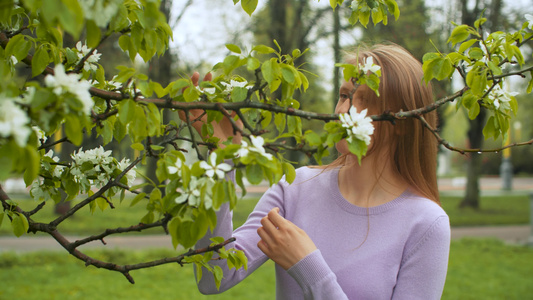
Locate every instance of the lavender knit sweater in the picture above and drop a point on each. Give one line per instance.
(398, 250)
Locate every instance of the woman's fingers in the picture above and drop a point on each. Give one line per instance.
(276, 218)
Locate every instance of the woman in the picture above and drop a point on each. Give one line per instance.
(373, 230)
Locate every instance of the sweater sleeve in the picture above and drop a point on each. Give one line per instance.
(423, 269)
(246, 240)
(316, 278)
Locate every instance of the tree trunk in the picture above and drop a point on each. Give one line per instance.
(473, 169)
(475, 132)
(159, 70)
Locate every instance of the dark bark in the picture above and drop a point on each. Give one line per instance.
(475, 131)
(159, 70)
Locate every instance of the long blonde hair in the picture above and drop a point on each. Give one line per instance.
(413, 149)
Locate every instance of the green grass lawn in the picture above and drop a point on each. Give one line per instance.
(478, 269)
(494, 211)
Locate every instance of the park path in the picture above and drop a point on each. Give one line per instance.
(519, 234)
(510, 234)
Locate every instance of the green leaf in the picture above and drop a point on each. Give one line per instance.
(2, 214)
(459, 34)
(239, 94)
(490, 129)
(464, 46)
(126, 111)
(217, 270)
(262, 49)
(267, 71)
(73, 129)
(254, 173)
(102, 203)
(32, 165)
(124, 41)
(358, 147)
(312, 138)
(252, 63)
(40, 61)
(290, 173)
(173, 230)
(19, 224)
(137, 198)
(137, 146)
(233, 48)
(249, 6)
(280, 121)
(93, 34)
(473, 112)
(289, 73)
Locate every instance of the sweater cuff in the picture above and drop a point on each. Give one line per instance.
(311, 271)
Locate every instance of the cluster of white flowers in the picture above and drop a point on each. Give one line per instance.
(90, 62)
(100, 11)
(95, 167)
(191, 193)
(369, 66)
(131, 174)
(501, 98)
(71, 83)
(211, 168)
(228, 87)
(58, 169)
(358, 125)
(40, 191)
(256, 146)
(13, 121)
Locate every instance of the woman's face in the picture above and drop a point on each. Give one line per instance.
(349, 95)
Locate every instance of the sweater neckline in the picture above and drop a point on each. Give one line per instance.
(359, 210)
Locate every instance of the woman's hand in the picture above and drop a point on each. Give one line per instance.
(282, 241)
(222, 130)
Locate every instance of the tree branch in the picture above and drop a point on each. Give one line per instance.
(469, 150)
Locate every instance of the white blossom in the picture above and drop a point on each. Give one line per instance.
(369, 66)
(90, 62)
(113, 84)
(501, 98)
(228, 87)
(233, 84)
(58, 169)
(529, 19)
(131, 174)
(358, 125)
(40, 191)
(99, 174)
(212, 168)
(95, 156)
(71, 83)
(191, 193)
(13, 121)
(257, 146)
(40, 134)
(176, 167)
